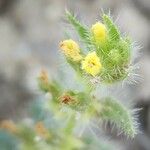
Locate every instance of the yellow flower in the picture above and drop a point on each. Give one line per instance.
(91, 64)
(71, 49)
(99, 32)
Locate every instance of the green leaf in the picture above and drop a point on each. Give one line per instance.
(113, 32)
(83, 31)
(116, 113)
(70, 124)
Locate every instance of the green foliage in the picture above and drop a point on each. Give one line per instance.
(117, 114)
(113, 31)
(52, 87)
(27, 135)
(114, 52)
(57, 116)
(82, 30)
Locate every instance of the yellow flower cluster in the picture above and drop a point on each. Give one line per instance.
(99, 32)
(91, 64)
(71, 49)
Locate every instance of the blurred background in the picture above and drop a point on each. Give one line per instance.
(30, 31)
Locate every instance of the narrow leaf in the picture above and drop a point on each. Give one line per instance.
(116, 113)
(81, 29)
(113, 30)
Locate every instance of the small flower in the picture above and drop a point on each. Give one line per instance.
(91, 64)
(9, 126)
(66, 99)
(71, 49)
(99, 32)
(41, 130)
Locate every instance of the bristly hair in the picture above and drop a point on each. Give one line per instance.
(114, 112)
(81, 29)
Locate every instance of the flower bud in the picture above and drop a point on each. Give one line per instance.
(43, 80)
(71, 49)
(99, 32)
